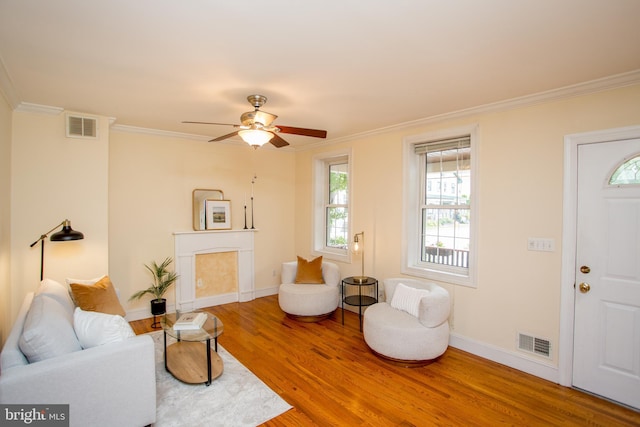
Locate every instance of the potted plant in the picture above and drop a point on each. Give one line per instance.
(162, 279)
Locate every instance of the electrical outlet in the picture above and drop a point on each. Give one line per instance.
(541, 245)
(199, 283)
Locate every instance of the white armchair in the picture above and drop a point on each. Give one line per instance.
(309, 302)
(409, 339)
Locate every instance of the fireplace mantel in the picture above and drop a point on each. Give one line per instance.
(188, 244)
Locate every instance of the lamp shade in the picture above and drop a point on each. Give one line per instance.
(358, 249)
(255, 137)
(67, 233)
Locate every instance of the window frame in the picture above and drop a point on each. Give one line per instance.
(412, 222)
(321, 163)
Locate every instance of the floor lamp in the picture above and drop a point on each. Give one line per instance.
(66, 234)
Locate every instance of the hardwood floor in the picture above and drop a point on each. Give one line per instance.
(331, 378)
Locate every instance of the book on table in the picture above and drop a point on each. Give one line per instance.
(190, 321)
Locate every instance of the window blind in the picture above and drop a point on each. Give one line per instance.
(443, 144)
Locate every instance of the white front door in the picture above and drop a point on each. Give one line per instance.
(606, 355)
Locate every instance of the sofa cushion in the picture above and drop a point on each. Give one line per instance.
(48, 330)
(57, 291)
(309, 272)
(11, 354)
(94, 328)
(100, 296)
(407, 299)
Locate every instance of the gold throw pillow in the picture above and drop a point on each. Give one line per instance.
(100, 297)
(309, 272)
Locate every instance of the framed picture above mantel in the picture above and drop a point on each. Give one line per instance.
(218, 214)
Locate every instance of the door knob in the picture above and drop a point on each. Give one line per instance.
(585, 269)
(584, 287)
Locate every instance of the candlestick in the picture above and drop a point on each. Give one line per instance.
(252, 227)
(253, 180)
(245, 215)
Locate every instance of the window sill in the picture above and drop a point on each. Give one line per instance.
(333, 256)
(440, 276)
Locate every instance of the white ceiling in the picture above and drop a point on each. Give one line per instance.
(345, 66)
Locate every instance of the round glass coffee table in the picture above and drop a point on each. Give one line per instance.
(191, 358)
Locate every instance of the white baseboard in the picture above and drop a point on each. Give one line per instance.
(145, 313)
(514, 360)
(266, 292)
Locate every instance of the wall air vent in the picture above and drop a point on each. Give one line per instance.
(82, 126)
(535, 345)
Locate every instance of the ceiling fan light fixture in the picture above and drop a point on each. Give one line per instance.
(255, 137)
(257, 129)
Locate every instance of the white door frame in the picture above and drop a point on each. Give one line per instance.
(569, 238)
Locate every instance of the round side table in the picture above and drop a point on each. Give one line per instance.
(367, 294)
(191, 359)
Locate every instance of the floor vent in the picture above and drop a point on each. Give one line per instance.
(82, 127)
(534, 345)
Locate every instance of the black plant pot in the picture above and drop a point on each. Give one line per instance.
(158, 306)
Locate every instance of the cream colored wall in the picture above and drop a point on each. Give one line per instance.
(128, 192)
(56, 178)
(151, 179)
(520, 196)
(5, 220)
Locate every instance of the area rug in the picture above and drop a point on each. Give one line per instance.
(236, 398)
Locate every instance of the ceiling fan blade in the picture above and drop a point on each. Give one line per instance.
(302, 131)
(229, 135)
(210, 123)
(262, 117)
(278, 142)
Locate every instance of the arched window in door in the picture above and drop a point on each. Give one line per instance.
(627, 173)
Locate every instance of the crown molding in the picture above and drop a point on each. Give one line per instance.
(27, 107)
(580, 89)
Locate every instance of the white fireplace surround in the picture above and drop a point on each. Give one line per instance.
(188, 244)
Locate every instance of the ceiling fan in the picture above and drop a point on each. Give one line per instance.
(257, 129)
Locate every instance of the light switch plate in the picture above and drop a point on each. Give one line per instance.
(541, 244)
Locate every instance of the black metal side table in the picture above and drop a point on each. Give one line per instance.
(360, 299)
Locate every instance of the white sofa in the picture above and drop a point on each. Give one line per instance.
(108, 385)
(409, 339)
(309, 302)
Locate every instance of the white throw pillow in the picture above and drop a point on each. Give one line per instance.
(48, 330)
(94, 328)
(407, 299)
(84, 281)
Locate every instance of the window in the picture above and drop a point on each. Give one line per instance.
(331, 200)
(627, 173)
(337, 207)
(439, 209)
